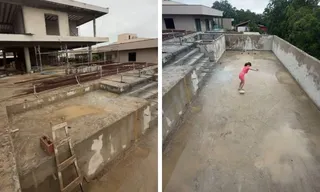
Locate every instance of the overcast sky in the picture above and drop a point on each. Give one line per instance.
(138, 16)
(254, 5)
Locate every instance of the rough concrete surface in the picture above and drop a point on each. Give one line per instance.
(9, 86)
(302, 66)
(264, 140)
(215, 49)
(248, 42)
(86, 115)
(137, 171)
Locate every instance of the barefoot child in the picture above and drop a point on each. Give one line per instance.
(243, 72)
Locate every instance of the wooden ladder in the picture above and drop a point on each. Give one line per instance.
(72, 160)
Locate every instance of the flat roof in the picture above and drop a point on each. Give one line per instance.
(18, 40)
(79, 12)
(184, 9)
(139, 43)
(169, 2)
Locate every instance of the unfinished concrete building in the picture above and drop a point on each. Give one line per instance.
(128, 48)
(59, 130)
(179, 16)
(264, 140)
(32, 31)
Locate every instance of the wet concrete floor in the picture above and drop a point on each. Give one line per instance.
(137, 172)
(265, 140)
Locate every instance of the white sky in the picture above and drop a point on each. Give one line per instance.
(138, 16)
(254, 5)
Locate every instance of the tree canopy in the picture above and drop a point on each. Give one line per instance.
(297, 21)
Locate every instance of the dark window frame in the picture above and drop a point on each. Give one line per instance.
(132, 56)
(169, 25)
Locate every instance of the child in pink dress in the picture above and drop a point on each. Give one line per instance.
(243, 72)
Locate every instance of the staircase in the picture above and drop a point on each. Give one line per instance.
(148, 91)
(193, 57)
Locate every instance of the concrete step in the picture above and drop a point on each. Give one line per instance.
(186, 57)
(149, 94)
(202, 63)
(195, 59)
(143, 88)
(129, 83)
(172, 53)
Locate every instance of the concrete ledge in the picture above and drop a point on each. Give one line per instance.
(180, 86)
(114, 84)
(215, 49)
(170, 52)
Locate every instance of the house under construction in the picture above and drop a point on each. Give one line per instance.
(31, 32)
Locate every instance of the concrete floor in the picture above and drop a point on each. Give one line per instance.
(265, 140)
(137, 172)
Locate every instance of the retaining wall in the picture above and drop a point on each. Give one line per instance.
(176, 98)
(215, 49)
(303, 67)
(93, 154)
(248, 42)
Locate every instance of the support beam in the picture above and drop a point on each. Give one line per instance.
(90, 53)
(4, 58)
(40, 59)
(67, 55)
(36, 55)
(94, 28)
(27, 59)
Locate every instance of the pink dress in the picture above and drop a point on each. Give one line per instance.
(243, 72)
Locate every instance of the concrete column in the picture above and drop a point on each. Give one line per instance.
(67, 55)
(90, 53)
(27, 59)
(94, 28)
(221, 22)
(4, 58)
(104, 56)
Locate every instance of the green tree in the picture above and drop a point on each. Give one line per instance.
(226, 7)
(297, 21)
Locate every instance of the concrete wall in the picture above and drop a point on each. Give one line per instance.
(34, 21)
(94, 153)
(142, 55)
(227, 23)
(175, 101)
(187, 22)
(215, 49)
(190, 10)
(126, 36)
(243, 29)
(248, 42)
(303, 67)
